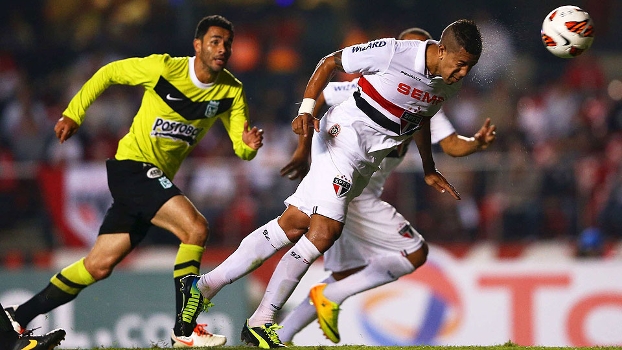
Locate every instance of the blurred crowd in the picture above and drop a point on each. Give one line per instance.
(554, 172)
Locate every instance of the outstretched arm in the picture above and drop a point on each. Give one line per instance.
(459, 146)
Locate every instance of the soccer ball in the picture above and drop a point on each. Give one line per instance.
(567, 31)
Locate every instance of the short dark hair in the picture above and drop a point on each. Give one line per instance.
(210, 21)
(415, 31)
(463, 33)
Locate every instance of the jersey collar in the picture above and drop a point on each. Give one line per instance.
(193, 75)
(420, 66)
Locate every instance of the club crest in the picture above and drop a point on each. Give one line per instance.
(334, 130)
(212, 109)
(409, 122)
(341, 185)
(407, 231)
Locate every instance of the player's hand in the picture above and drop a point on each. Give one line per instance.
(302, 123)
(438, 181)
(65, 128)
(486, 135)
(297, 167)
(252, 137)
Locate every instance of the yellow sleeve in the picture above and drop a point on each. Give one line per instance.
(235, 126)
(131, 71)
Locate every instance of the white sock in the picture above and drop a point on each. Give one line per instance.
(284, 280)
(300, 317)
(380, 270)
(254, 249)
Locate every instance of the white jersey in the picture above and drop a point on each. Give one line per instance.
(440, 127)
(396, 82)
(374, 227)
(395, 97)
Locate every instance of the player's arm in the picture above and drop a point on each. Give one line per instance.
(246, 140)
(324, 71)
(432, 176)
(130, 71)
(459, 146)
(298, 165)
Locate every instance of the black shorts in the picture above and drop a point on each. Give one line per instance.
(138, 191)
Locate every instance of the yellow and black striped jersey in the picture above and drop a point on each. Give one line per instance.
(176, 110)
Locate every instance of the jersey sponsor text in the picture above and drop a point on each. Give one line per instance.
(371, 45)
(175, 130)
(420, 95)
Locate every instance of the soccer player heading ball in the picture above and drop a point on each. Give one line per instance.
(404, 84)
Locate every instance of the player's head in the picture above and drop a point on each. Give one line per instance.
(212, 21)
(414, 34)
(212, 42)
(459, 50)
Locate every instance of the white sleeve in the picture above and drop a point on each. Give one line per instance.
(338, 91)
(440, 127)
(368, 58)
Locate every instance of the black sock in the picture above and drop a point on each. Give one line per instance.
(43, 302)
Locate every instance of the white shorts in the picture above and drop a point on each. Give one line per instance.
(373, 228)
(345, 153)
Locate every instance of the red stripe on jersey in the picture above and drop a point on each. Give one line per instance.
(370, 91)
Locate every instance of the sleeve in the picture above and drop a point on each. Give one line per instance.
(131, 71)
(234, 124)
(368, 58)
(440, 127)
(338, 91)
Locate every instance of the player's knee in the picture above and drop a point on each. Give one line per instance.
(100, 270)
(294, 223)
(198, 232)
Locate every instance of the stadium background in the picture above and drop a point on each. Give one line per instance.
(549, 187)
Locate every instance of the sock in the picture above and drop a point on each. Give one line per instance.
(254, 249)
(300, 317)
(380, 270)
(285, 278)
(63, 288)
(187, 262)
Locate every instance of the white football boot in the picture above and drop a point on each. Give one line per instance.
(200, 338)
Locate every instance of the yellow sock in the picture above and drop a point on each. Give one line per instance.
(73, 278)
(188, 260)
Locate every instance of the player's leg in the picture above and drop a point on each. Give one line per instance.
(10, 339)
(108, 251)
(260, 329)
(300, 317)
(254, 249)
(111, 246)
(379, 271)
(376, 239)
(179, 216)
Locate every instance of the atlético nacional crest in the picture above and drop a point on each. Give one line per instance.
(341, 185)
(212, 109)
